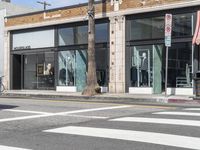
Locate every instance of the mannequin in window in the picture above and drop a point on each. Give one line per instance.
(49, 75)
(144, 69)
(70, 71)
(62, 76)
(49, 70)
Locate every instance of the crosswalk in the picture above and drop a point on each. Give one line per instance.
(171, 118)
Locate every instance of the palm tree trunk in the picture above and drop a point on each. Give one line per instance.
(92, 86)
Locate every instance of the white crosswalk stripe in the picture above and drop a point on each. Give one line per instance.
(11, 148)
(159, 138)
(139, 136)
(178, 113)
(195, 109)
(159, 121)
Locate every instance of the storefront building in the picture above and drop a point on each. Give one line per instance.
(56, 57)
(48, 50)
(145, 42)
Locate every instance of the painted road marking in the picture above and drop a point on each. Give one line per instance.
(178, 113)
(159, 121)
(83, 116)
(23, 118)
(27, 111)
(198, 109)
(63, 113)
(93, 109)
(139, 136)
(11, 148)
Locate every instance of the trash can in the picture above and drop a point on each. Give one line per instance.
(197, 84)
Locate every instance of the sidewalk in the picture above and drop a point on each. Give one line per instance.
(105, 97)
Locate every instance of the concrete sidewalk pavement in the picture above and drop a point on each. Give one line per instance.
(105, 97)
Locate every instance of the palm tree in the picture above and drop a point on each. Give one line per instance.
(92, 87)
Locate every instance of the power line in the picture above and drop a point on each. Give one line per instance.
(44, 3)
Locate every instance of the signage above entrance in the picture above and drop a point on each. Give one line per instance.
(22, 47)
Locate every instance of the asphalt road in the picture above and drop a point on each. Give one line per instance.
(27, 124)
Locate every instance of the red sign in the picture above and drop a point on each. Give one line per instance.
(168, 24)
(168, 29)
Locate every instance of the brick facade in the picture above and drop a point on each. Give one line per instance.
(80, 11)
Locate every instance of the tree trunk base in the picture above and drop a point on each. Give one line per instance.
(91, 91)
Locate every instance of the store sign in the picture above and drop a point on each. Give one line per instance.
(22, 47)
(168, 29)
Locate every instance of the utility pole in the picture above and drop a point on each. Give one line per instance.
(44, 3)
(92, 87)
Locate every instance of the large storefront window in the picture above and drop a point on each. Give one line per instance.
(33, 39)
(72, 68)
(141, 70)
(148, 57)
(180, 65)
(73, 63)
(146, 66)
(79, 34)
(102, 66)
(147, 28)
(182, 25)
(39, 71)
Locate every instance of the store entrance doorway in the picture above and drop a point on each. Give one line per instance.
(16, 72)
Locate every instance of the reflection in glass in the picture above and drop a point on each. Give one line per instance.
(79, 34)
(180, 65)
(39, 71)
(102, 66)
(101, 33)
(66, 68)
(182, 25)
(72, 68)
(147, 28)
(66, 36)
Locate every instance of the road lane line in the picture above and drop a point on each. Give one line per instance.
(196, 109)
(23, 118)
(92, 117)
(159, 121)
(11, 148)
(129, 135)
(62, 113)
(93, 109)
(177, 113)
(27, 111)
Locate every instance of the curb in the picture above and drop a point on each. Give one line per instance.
(109, 99)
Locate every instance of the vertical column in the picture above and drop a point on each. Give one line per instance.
(157, 69)
(116, 4)
(117, 55)
(6, 79)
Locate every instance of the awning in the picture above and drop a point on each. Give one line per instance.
(196, 37)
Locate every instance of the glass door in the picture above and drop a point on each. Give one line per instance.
(39, 71)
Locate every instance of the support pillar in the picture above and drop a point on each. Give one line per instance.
(117, 55)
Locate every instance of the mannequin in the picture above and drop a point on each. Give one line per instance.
(70, 71)
(144, 70)
(49, 70)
